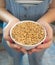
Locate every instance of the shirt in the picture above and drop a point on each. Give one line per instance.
(29, 1)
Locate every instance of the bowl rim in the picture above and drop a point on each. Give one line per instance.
(24, 44)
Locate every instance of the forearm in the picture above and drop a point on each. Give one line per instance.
(5, 15)
(49, 16)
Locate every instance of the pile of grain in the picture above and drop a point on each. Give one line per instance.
(28, 33)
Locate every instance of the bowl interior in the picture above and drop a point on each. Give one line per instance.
(24, 44)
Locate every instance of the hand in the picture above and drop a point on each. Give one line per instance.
(47, 42)
(6, 35)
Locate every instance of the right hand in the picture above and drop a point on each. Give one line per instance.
(6, 35)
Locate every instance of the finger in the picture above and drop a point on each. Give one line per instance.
(45, 45)
(48, 38)
(17, 47)
(23, 50)
(34, 50)
(8, 39)
(6, 34)
(6, 31)
(12, 45)
(49, 32)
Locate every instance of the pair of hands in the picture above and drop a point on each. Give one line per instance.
(45, 44)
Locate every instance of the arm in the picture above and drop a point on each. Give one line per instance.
(11, 20)
(4, 14)
(50, 15)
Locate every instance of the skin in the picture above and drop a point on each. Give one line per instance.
(11, 20)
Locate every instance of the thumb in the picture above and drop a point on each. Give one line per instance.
(47, 40)
(6, 34)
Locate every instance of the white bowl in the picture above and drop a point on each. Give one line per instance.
(27, 47)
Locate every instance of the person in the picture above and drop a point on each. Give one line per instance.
(13, 11)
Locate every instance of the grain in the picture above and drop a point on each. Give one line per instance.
(28, 33)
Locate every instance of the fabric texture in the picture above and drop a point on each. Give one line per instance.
(29, 1)
(32, 12)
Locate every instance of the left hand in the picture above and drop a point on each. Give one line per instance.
(46, 44)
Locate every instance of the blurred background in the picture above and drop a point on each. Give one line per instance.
(5, 59)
